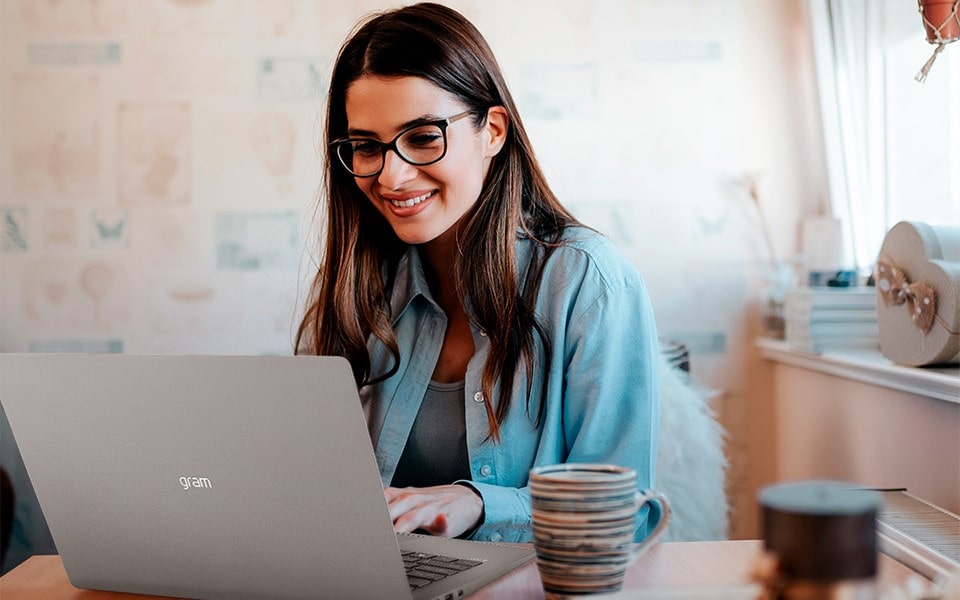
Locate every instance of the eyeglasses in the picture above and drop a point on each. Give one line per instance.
(420, 145)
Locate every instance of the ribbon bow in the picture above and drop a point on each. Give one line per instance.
(895, 289)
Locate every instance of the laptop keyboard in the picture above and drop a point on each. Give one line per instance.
(424, 569)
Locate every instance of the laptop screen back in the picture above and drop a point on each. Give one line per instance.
(234, 477)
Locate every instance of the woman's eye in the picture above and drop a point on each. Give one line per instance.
(363, 148)
(425, 139)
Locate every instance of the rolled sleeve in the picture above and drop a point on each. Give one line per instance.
(611, 400)
(611, 381)
(506, 515)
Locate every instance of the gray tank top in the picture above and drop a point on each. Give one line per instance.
(436, 451)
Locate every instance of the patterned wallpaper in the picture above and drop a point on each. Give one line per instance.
(160, 159)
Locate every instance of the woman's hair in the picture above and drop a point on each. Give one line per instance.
(349, 298)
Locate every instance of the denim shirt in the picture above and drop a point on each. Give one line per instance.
(602, 400)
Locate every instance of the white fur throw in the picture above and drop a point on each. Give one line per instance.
(691, 464)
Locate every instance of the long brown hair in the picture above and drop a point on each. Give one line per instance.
(349, 298)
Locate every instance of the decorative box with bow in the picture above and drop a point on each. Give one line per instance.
(918, 294)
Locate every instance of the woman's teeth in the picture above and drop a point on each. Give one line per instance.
(411, 201)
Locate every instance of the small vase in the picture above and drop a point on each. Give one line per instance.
(776, 281)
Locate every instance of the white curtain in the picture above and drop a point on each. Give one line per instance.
(846, 35)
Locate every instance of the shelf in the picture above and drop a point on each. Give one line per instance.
(869, 366)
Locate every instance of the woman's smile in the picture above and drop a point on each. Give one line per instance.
(409, 204)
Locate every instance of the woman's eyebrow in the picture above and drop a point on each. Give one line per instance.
(355, 132)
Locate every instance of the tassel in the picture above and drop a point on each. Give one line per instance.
(925, 69)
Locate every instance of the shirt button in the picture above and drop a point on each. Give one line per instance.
(495, 537)
(483, 332)
(485, 470)
(478, 397)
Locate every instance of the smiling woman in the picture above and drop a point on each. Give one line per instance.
(488, 331)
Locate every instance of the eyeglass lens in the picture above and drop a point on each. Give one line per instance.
(418, 146)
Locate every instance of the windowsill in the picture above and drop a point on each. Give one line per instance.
(869, 366)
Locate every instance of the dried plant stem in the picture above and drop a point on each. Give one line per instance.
(750, 183)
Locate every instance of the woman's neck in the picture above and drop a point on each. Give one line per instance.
(439, 265)
(439, 261)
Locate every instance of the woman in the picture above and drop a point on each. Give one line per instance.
(487, 329)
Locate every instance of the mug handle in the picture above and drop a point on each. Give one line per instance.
(642, 498)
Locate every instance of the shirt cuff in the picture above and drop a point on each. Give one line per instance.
(506, 513)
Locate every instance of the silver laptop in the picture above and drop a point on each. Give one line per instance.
(221, 477)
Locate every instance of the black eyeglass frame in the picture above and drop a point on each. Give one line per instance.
(442, 124)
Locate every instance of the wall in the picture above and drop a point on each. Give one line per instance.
(833, 428)
(160, 165)
(781, 122)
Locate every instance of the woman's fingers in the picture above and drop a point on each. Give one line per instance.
(445, 510)
(439, 526)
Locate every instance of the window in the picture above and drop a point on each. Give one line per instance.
(892, 143)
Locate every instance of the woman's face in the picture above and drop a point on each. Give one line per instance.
(422, 203)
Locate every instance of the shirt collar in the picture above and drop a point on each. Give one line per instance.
(410, 282)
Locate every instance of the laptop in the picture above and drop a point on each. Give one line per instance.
(221, 477)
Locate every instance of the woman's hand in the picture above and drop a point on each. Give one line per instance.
(443, 510)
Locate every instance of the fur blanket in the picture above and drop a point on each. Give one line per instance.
(691, 464)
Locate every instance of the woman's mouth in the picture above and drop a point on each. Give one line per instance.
(409, 202)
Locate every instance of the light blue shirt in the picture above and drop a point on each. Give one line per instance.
(602, 400)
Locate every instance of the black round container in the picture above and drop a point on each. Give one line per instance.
(821, 531)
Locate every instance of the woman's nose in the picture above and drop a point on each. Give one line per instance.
(396, 171)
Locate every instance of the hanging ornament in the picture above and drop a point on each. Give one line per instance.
(942, 23)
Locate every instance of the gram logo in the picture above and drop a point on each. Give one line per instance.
(195, 482)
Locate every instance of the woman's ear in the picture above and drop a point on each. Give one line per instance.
(497, 124)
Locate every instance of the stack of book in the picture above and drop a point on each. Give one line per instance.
(825, 318)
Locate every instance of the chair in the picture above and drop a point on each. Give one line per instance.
(691, 465)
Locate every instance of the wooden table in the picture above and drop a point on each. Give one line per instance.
(670, 566)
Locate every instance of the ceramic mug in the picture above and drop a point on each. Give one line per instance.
(584, 518)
